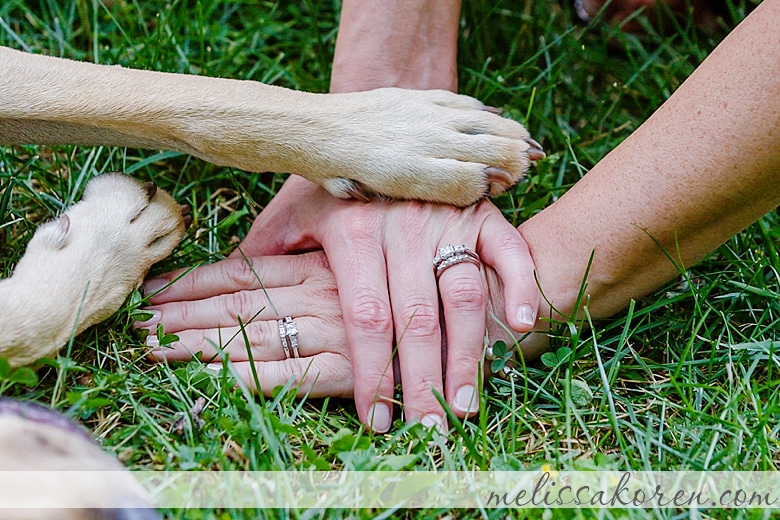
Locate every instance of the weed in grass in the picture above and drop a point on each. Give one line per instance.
(684, 379)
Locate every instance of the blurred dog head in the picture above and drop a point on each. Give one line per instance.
(50, 468)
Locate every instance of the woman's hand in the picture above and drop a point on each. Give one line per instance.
(214, 309)
(204, 306)
(381, 254)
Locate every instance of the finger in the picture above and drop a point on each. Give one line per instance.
(501, 246)
(415, 301)
(463, 297)
(324, 375)
(358, 263)
(315, 336)
(226, 310)
(232, 275)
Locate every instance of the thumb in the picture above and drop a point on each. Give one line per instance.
(285, 225)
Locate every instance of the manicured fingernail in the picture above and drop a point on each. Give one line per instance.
(214, 368)
(154, 286)
(151, 322)
(152, 341)
(466, 399)
(434, 421)
(525, 315)
(379, 417)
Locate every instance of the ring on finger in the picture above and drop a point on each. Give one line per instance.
(288, 331)
(450, 255)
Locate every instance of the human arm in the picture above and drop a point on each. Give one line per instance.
(703, 167)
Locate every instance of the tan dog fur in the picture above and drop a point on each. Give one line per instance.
(48, 448)
(79, 269)
(426, 145)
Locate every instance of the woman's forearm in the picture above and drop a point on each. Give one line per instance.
(702, 168)
(399, 43)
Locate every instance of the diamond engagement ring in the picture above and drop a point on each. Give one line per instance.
(288, 331)
(450, 255)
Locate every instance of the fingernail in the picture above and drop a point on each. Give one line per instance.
(152, 341)
(466, 399)
(525, 315)
(151, 322)
(154, 286)
(214, 368)
(379, 417)
(434, 421)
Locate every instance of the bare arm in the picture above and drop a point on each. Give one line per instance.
(702, 168)
(408, 44)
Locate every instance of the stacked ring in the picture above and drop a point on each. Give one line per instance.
(288, 331)
(450, 255)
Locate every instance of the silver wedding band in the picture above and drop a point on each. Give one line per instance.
(450, 255)
(288, 331)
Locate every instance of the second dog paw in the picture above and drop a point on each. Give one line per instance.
(79, 269)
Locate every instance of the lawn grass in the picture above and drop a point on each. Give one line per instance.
(684, 379)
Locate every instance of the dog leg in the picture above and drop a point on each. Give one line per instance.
(79, 269)
(426, 145)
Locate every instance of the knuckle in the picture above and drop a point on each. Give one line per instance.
(282, 373)
(465, 360)
(238, 273)
(327, 295)
(415, 217)
(465, 294)
(258, 335)
(361, 224)
(509, 241)
(237, 304)
(370, 314)
(420, 319)
(421, 389)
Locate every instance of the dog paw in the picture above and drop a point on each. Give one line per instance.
(79, 269)
(427, 145)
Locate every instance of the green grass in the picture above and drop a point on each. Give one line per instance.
(684, 379)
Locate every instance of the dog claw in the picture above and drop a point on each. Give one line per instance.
(187, 219)
(499, 179)
(357, 193)
(151, 190)
(492, 110)
(185, 210)
(535, 152)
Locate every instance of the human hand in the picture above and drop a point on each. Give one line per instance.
(381, 255)
(208, 307)
(204, 306)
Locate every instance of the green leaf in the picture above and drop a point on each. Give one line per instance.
(163, 338)
(135, 300)
(549, 360)
(581, 394)
(397, 462)
(563, 354)
(25, 376)
(282, 427)
(499, 348)
(345, 440)
(319, 462)
(5, 368)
